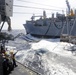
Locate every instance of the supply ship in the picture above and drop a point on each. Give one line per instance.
(37, 66)
(54, 26)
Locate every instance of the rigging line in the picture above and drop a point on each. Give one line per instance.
(57, 25)
(48, 29)
(35, 7)
(25, 13)
(40, 4)
(73, 26)
(29, 68)
(56, 46)
(28, 13)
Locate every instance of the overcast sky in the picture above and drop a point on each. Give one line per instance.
(19, 19)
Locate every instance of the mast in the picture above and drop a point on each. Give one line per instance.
(68, 6)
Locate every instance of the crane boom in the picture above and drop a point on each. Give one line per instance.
(68, 5)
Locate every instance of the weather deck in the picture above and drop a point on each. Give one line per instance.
(22, 70)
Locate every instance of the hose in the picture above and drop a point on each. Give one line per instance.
(57, 25)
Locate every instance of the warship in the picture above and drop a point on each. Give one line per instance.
(54, 26)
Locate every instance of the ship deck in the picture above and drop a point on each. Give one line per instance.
(22, 70)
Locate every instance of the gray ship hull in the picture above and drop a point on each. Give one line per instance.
(50, 29)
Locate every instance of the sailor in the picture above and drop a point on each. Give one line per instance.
(5, 64)
(2, 49)
(9, 62)
(13, 58)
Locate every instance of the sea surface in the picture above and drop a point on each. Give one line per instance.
(45, 56)
(15, 31)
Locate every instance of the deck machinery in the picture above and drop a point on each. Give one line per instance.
(6, 11)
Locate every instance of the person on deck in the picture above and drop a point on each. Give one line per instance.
(13, 59)
(2, 49)
(5, 62)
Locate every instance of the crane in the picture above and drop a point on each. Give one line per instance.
(69, 11)
(68, 5)
(6, 11)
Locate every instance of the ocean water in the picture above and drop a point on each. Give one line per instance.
(45, 56)
(15, 31)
